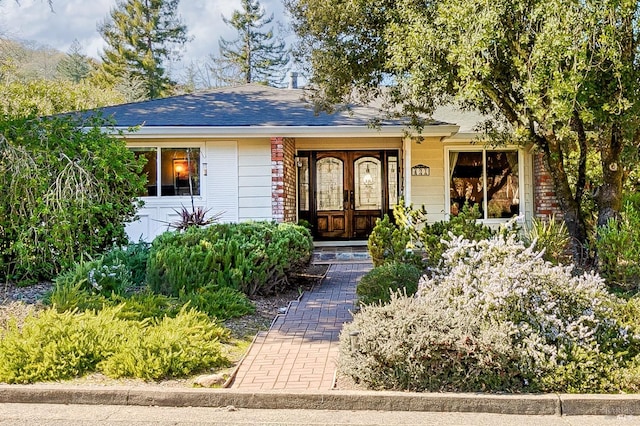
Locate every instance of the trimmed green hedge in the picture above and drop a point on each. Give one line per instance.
(252, 257)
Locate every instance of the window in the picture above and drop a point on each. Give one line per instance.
(170, 171)
(488, 179)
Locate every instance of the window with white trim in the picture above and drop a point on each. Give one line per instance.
(170, 171)
(489, 179)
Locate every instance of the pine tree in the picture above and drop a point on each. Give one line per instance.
(141, 35)
(75, 66)
(256, 55)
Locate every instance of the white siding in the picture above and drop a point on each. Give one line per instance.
(254, 180)
(428, 191)
(222, 180)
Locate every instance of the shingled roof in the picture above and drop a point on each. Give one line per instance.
(238, 106)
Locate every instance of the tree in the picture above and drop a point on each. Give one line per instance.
(256, 55)
(45, 97)
(68, 190)
(561, 75)
(140, 36)
(75, 66)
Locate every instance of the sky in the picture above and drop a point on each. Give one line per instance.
(33, 20)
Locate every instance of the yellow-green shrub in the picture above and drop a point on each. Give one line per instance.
(61, 345)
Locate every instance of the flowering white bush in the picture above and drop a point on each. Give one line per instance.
(496, 302)
(547, 308)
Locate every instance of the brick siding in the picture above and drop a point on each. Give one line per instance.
(283, 179)
(546, 203)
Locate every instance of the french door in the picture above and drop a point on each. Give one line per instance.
(346, 191)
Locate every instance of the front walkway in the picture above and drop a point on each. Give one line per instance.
(300, 350)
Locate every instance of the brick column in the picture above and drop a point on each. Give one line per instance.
(545, 201)
(283, 179)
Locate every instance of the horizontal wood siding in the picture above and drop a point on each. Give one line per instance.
(254, 172)
(428, 191)
(222, 180)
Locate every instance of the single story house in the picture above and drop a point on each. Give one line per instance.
(254, 152)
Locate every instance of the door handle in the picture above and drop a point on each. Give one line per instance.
(353, 207)
(345, 199)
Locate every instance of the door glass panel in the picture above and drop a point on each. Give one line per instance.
(392, 174)
(368, 175)
(303, 183)
(330, 177)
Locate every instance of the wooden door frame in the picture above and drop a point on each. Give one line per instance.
(348, 157)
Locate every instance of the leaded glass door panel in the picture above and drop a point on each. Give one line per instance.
(350, 192)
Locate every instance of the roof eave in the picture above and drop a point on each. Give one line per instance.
(442, 131)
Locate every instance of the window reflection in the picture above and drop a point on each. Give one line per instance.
(179, 170)
(480, 174)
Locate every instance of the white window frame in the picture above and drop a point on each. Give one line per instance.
(484, 150)
(158, 147)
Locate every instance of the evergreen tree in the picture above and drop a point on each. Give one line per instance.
(256, 55)
(75, 66)
(141, 35)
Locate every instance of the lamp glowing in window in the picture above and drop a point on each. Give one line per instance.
(179, 169)
(367, 179)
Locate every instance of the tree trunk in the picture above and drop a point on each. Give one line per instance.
(571, 210)
(609, 194)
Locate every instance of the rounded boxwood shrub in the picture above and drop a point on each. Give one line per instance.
(378, 284)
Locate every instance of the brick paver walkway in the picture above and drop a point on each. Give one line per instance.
(300, 349)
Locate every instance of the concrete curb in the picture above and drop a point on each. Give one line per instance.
(547, 404)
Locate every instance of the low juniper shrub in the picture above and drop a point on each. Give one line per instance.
(52, 346)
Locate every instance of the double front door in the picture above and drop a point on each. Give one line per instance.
(342, 193)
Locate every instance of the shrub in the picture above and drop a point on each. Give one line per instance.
(410, 239)
(550, 236)
(495, 316)
(377, 285)
(55, 346)
(618, 249)
(221, 303)
(396, 241)
(407, 345)
(102, 276)
(68, 189)
(137, 306)
(252, 257)
(434, 237)
(117, 271)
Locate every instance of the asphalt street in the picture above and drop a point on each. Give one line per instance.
(57, 414)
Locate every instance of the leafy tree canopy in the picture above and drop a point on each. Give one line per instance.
(562, 75)
(45, 97)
